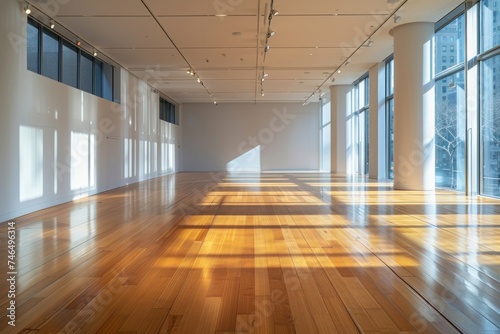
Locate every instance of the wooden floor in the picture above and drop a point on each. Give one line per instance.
(258, 253)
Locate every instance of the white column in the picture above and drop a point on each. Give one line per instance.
(378, 156)
(414, 107)
(340, 103)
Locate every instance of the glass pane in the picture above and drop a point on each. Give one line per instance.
(50, 55)
(33, 46)
(86, 72)
(450, 132)
(490, 126)
(450, 45)
(98, 77)
(107, 82)
(69, 73)
(390, 77)
(390, 139)
(490, 25)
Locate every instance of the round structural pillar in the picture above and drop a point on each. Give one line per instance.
(414, 107)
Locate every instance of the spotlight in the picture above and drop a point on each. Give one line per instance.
(199, 80)
(369, 43)
(215, 102)
(78, 42)
(266, 48)
(52, 24)
(262, 93)
(271, 34)
(95, 53)
(339, 71)
(397, 18)
(274, 12)
(347, 63)
(191, 72)
(265, 75)
(27, 9)
(188, 71)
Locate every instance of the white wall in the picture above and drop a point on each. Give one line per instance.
(58, 143)
(250, 137)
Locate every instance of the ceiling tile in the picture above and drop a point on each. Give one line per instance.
(202, 32)
(118, 32)
(147, 58)
(195, 7)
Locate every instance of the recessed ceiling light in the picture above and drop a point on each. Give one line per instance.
(236, 33)
(307, 72)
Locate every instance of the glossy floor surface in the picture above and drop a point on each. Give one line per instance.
(258, 253)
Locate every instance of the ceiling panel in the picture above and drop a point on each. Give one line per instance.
(228, 74)
(147, 58)
(93, 7)
(284, 86)
(118, 32)
(329, 7)
(301, 74)
(238, 86)
(202, 32)
(160, 74)
(223, 58)
(332, 31)
(304, 57)
(195, 7)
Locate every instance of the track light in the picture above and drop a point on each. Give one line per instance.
(347, 63)
(397, 18)
(95, 53)
(266, 48)
(274, 12)
(27, 9)
(369, 43)
(52, 24)
(78, 42)
(215, 102)
(333, 79)
(199, 80)
(339, 71)
(271, 33)
(265, 75)
(262, 93)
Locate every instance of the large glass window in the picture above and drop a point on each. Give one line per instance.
(490, 97)
(86, 83)
(490, 127)
(107, 81)
(450, 121)
(167, 111)
(361, 124)
(450, 132)
(50, 55)
(389, 105)
(33, 40)
(490, 25)
(69, 73)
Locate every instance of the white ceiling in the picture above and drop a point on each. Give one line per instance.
(162, 39)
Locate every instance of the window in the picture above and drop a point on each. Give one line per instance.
(50, 55)
(69, 67)
(389, 107)
(53, 56)
(33, 41)
(361, 126)
(167, 111)
(490, 100)
(86, 83)
(107, 81)
(450, 117)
